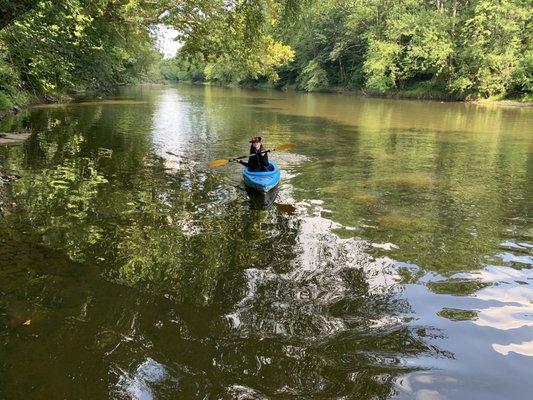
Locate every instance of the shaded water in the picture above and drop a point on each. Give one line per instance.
(396, 263)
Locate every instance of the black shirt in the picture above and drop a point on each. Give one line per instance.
(257, 161)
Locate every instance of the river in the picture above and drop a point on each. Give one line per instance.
(397, 261)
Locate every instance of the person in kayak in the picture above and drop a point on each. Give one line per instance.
(258, 158)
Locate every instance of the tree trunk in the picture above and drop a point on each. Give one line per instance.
(341, 71)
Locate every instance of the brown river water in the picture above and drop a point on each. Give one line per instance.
(396, 261)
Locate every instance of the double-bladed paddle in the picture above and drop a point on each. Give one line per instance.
(224, 161)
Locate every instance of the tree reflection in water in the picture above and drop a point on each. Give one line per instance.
(163, 283)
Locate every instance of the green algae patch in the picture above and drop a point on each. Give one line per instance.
(457, 287)
(417, 180)
(402, 221)
(456, 314)
(364, 198)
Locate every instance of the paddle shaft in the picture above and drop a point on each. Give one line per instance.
(225, 161)
(249, 155)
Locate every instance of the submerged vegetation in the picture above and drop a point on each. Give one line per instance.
(420, 48)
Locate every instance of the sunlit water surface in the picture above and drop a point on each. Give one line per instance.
(397, 261)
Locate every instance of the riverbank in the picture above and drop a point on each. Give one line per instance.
(67, 97)
(15, 104)
(72, 95)
(396, 94)
(503, 103)
(24, 100)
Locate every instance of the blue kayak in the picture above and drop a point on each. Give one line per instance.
(262, 180)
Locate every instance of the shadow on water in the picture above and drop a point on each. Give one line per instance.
(130, 273)
(260, 200)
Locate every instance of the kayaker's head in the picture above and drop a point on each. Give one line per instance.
(257, 142)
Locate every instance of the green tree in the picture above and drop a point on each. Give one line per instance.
(449, 48)
(493, 37)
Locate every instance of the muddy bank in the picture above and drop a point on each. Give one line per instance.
(9, 111)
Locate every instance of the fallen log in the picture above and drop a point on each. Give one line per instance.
(13, 139)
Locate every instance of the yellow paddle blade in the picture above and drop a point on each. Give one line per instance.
(284, 146)
(219, 163)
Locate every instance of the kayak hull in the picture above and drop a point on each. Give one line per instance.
(262, 181)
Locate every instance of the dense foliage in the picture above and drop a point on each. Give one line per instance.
(48, 47)
(57, 46)
(435, 48)
(232, 42)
